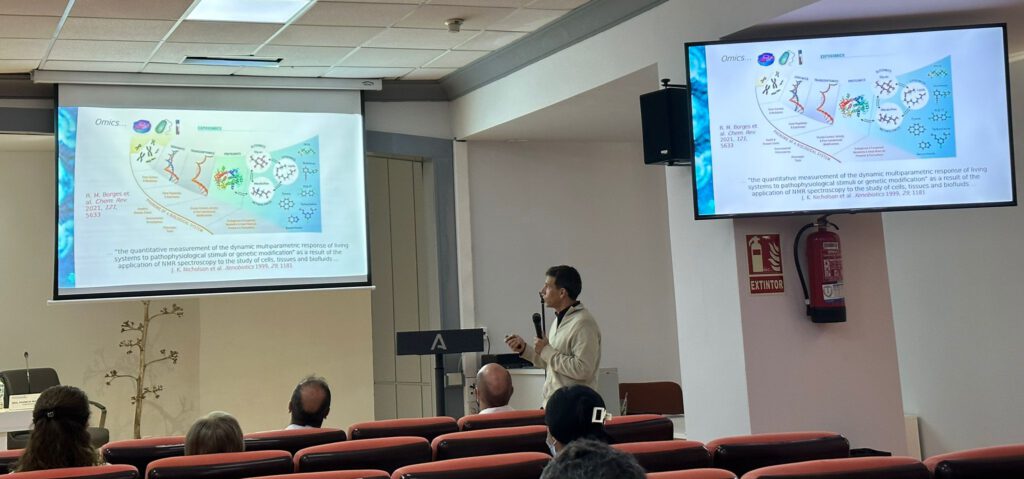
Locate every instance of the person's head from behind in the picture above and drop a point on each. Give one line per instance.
(310, 403)
(588, 459)
(215, 433)
(493, 386)
(562, 285)
(60, 432)
(574, 412)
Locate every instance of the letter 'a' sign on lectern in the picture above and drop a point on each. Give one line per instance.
(439, 343)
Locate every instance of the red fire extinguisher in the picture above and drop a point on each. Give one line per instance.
(823, 292)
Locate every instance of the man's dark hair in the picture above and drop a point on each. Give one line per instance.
(567, 277)
(302, 417)
(586, 459)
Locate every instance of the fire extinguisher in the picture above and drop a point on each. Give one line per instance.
(823, 296)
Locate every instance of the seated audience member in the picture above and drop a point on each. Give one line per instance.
(310, 403)
(215, 433)
(574, 412)
(493, 388)
(587, 459)
(60, 434)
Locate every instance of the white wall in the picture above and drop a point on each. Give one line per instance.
(420, 118)
(957, 303)
(839, 377)
(591, 205)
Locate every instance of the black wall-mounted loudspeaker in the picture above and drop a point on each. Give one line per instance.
(665, 119)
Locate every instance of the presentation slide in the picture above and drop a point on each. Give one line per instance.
(891, 120)
(156, 200)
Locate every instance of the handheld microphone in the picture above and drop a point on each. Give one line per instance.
(536, 326)
(28, 377)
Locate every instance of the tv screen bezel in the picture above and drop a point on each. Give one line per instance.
(832, 211)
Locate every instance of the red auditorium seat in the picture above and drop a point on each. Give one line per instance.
(118, 471)
(384, 453)
(639, 428)
(987, 462)
(427, 428)
(657, 456)
(846, 468)
(704, 473)
(354, 474)
(231, 465)
(490, 441)
(292, 440)
(741, 454)
(8, 458)
(529, 417)
(520, 465)
(141, 452)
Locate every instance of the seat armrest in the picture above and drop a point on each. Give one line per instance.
(103, 413)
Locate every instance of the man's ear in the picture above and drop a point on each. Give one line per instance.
(328, 411)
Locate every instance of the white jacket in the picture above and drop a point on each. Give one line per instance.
(573, 353)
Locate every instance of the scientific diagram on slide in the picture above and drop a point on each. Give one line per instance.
(227, 186)
(871, 112)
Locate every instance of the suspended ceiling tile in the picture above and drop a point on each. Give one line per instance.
(354, 14)
(27, 27)
(142, 10)
(390, 57)
(325, 36)
(92, 66)
(95, 50)
(284, 71)
(188, 69)
(81, 28)
(428, 74)
(53, 8)
(527, 20)
(557, 4)
(490, 40)
(455, 59)
(176, 52)
(481, 3)
(419, 38)
(433, 16)
(356, 72)
(304, 56)
(18, 66)
(22, 49)
(223, 32)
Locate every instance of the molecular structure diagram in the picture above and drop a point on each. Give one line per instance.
(885, 87)
(307, 191)
(262, 193)
(286, 203)
(307, 149)
(941, 139)
(293, 219)
(795, 98)
(924, 145)
(309, 171)
(260, 161)
(940, 94)
(913, 96)
(308, 214)
(284, 172)
(939, 115)
(938, 73)
(916, 129)
(888, 119)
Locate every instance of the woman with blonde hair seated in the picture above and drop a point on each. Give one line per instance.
(214, 433)
(60, 432)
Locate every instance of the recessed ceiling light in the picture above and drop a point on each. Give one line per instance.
(233, 61)
(254, 11)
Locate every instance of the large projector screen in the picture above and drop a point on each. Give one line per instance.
(174, 191)
(872, 122)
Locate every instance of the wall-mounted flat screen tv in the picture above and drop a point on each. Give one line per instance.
(849, 123)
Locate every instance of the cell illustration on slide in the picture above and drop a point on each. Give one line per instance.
(228, 183)
(854, 113)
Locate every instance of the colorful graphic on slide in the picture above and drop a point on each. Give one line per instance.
(864, 116)
(230, 185)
